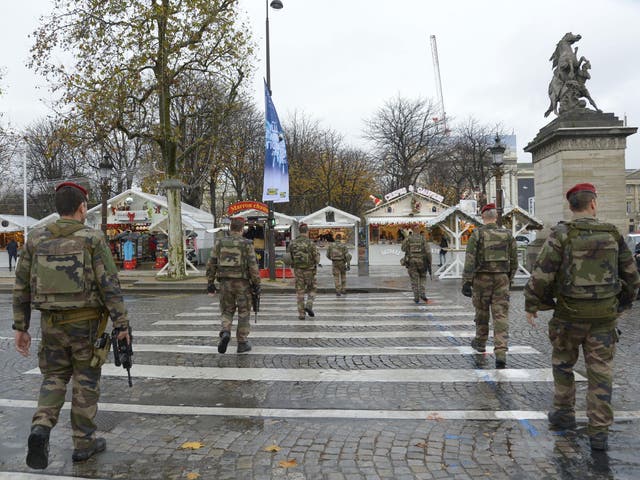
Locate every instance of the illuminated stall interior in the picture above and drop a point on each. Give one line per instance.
(329, 225)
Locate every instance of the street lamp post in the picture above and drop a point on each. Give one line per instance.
(105, 168)
(497, 151)
(270, 240)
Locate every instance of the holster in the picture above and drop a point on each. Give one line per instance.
(102, 344)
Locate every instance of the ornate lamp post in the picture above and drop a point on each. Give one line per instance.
(497, 152)
(270, 240)
(105, 169)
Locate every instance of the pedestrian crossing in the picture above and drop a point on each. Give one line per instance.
(356, 328)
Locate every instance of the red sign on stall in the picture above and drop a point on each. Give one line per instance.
(247, 205)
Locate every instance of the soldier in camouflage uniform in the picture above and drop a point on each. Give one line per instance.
(67, 272)
(340, 258)
(491, 261)
(304, 259)
(417, 260)
(233, 263)
(586, 274)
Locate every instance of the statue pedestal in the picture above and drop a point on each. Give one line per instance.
(580, 146)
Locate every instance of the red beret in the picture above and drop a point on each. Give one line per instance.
(581, 187)
(488, 206)
(73, 185)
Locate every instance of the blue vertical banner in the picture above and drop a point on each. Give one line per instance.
(276, 167)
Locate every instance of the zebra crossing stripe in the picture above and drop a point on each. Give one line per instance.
(332, 351)
(400, 375)
(375, 311)
(323, 323)
(341, 314)
(33, 476)
(354, 414)
(290, 334)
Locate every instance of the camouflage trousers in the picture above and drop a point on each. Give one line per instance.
(598, 346)
(339, 271)
(491, 296)
(236, 293)
(64, 354)
(418, 276)
(306, 284)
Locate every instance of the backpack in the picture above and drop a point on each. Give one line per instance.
(232, 258)
(337, 253)
(590, 262)
(416, 248)
(302, 253)
(61, 271)
(495, 250)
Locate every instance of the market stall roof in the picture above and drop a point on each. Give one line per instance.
(281, 219)
(517, 212)
(341, 218)
(188, 222)
(16, 223)
(187, 210)
(404, 193)
(398, 220)
(455, 210)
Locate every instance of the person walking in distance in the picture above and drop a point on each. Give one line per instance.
(586, 274)
(304, 259)
(67, 272)
(491, 261)
(340, 257)
(233, 263)
(12, 251)
(444, 245)
(417, 260)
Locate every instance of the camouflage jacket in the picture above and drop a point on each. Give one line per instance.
(233, 257)
(478, 256)
(47, 279)
(338, 252)
(304, 253)
(549, 276)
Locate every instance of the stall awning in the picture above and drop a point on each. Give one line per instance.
(331, 225)
(188, 222)
(398, 220)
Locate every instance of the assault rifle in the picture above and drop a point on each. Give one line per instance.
(122, 352)
(255, 301)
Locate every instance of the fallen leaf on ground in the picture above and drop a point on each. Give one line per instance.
(434, 416)
(422, 445)
(192, 476)
(272, 448)
(288, 463)
(191, 445)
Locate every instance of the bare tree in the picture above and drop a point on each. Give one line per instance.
(407, 138)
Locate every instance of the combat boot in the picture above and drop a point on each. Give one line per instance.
(82, 454)
(38, 443)
(224, 341)
(244, 347)
(501, 363)
(564, 419)
(599, 441)
(477, 347)
(424, 297)
(309, 311)
(337, 294)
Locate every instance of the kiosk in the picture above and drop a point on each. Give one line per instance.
(330, 224)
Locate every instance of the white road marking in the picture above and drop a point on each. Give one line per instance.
(346, 309)
(290, 334)
(332, 351)
(400, 375)
(35, 476)
(325, 323)
(427, 415)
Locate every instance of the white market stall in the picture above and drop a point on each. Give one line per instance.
(389, 223)
(330, 224)
(13, 227)
(519, 221)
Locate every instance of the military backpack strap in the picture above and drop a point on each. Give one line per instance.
(57, 231)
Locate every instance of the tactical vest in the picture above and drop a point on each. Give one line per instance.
(494, 250)
(62, 276)
(232, 258)
(302, 253)
(587, 283)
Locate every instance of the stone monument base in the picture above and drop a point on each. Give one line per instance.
(580, 146)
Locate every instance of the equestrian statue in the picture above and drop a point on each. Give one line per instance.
(570, 74)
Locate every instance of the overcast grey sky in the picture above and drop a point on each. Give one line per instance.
(340, 60)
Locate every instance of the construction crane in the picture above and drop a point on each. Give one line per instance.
(436, 72)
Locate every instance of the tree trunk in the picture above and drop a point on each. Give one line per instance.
(176, 268)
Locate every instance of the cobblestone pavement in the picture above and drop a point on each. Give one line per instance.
(460, 418)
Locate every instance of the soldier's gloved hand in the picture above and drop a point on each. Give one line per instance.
(256, 289)
(348, 267)
(467, 291)
(211, 288)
